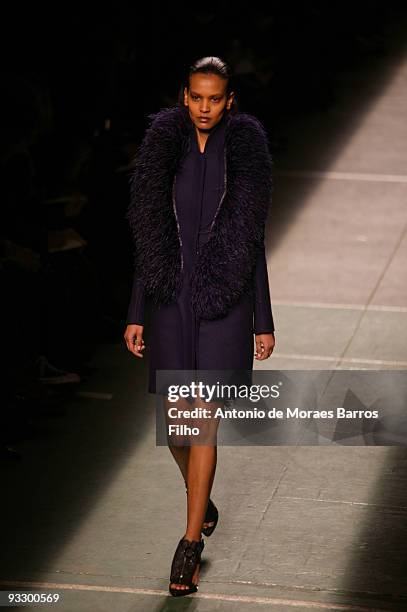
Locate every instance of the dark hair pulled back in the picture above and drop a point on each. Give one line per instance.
(211, 65)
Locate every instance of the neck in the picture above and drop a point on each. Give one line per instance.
(202, 138)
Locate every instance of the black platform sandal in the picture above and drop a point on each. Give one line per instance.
(186, 558)
(211, 516)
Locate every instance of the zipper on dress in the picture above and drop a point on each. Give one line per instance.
(224, 191)
(176, 218)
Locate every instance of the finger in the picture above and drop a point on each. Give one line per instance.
(138, 345)
(269, 351)
(263, 354)
(131, 344)
(266, 351)
(259, 349)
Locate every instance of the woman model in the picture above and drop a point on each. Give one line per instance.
(200, 193)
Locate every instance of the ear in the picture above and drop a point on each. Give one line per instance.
(230, 100)
(185, 96)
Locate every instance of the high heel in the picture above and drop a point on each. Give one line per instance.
(186, 558)
(211, 516)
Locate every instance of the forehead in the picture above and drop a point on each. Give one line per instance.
(207, 83)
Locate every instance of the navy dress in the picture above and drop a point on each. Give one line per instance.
(179, 340)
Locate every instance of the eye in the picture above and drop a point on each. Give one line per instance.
(194, 97)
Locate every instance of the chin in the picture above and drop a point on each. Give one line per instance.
(204, 125)
(204, 128)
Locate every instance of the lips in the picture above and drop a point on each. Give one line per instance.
(203, 119)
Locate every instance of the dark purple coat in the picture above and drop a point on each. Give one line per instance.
(181, 339)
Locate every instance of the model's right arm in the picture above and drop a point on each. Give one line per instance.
(140, 183)
(133, 335)
(135, 312)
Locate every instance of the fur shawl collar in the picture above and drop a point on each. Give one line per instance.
(226, 263)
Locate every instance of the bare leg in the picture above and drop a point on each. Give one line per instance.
(181, 453)
(201, 473)
(201, 467)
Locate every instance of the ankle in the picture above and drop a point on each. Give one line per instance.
(193, 536)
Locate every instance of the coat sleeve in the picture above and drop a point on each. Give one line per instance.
(135, 312)
(263, 315)
(263, 164)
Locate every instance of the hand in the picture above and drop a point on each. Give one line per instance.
(264, 346)
(133, 337)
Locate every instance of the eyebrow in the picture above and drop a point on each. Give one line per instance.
(194, 93)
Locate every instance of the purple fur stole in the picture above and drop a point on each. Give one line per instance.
(226, 263)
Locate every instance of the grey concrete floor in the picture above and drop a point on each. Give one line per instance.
(96, 509)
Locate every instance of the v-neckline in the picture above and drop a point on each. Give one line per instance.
(214, 129)
(206, 141)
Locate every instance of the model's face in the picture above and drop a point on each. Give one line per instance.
(207, 99)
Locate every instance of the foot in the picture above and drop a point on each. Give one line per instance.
(176, 564)
(195, 580)
(206, 525)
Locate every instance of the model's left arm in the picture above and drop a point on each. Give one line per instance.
(263, 315)
(261, 166)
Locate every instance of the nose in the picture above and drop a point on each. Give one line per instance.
(204, 107)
